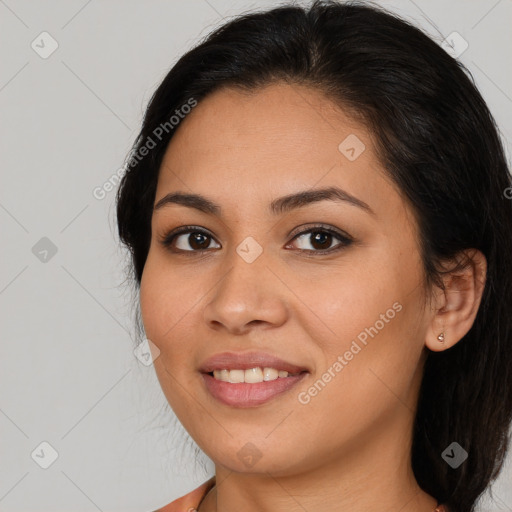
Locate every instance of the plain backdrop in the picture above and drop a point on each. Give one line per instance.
(73, 396)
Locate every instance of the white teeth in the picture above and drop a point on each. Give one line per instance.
(252, 375)
(222, 375)
(236, 376)
(270, 374)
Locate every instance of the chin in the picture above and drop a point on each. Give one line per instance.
(248, 457)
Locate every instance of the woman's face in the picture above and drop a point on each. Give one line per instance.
(350, 315)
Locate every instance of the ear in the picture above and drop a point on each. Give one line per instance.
(455, 308)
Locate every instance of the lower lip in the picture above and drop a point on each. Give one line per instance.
(243, 394)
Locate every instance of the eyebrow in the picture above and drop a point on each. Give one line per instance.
(277, 206)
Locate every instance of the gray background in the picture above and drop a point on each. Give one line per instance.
(68, 373)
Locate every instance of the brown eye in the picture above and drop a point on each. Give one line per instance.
(321, 239)
(198, 241)
(188, 239)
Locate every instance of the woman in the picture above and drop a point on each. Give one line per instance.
(316, 213)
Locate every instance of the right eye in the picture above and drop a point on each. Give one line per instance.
(197, 240)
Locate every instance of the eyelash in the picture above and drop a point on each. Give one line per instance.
(345, 240)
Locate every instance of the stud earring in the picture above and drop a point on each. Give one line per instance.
(441, 337)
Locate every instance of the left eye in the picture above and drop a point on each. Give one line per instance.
(321, 239)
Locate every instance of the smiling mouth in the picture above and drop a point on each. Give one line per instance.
(251, 375)
(255, 391)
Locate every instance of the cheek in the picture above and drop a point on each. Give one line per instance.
(368, 369)
(353, 297)
(164, 307)
(151, 298)
(370, 316)
(170, 301)
(164, 300)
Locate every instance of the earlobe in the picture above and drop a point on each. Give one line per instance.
(439, 343)
(457, 305)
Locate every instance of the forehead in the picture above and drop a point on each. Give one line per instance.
(291, 121)
(269, 142)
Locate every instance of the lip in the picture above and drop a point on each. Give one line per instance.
(247, 360)
(244, 395)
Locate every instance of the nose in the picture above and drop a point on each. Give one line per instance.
(249, 295)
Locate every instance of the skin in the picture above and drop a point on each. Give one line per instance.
(349, 447)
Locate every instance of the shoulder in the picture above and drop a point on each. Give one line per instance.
(190, 500)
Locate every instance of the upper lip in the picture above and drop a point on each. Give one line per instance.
(247, 360)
